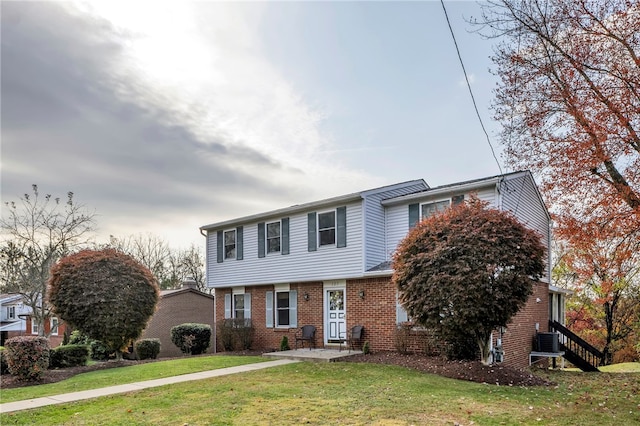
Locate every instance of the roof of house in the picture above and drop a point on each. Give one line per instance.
(176, 292)
(355, 196)
(9, 297)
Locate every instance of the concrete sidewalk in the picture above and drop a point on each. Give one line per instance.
(111, 390)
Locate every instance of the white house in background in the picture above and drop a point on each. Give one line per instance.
(13, 315)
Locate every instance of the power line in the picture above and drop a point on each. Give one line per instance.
(473, 99)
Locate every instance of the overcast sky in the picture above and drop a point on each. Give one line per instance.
(163, 117)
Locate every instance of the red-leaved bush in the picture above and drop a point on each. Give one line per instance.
(27, 356)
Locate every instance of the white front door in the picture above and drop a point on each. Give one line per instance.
(335, 318)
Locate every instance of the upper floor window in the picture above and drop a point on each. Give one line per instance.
(430, 209)
(35, 327)
(230, 244)
(327, 228)
(11, 312)
(273, 237)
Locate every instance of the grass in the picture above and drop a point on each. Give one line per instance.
(350, 393)
(123, 375)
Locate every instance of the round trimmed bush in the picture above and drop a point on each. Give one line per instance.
(27, 356)
(148, 348)
(191, 338)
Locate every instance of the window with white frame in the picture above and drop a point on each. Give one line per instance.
(35, 327)
(273, 237)
(11, 312)
(327, 228)
(282, 307)
(401, 313)
(429, 209)
(230, 244)
(237, 304)
(54, 323)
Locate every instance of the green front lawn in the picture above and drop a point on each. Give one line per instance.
(351, 393)
(131, 374)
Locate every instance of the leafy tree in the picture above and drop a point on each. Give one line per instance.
(467, 270)
(105, 294)
(569, 101)
(607, 268)
(169, 265)
(36, 232)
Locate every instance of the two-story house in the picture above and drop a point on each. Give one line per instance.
(328, 263)
(12, 316)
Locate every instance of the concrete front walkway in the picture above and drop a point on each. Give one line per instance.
(130, 387)
(315, 355)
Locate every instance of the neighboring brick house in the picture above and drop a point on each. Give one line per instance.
(53, 327)
(175, 307)
(328, 263)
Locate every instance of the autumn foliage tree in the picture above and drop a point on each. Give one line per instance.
(608, 270)
(467, 270)
(105, 294)
(569, 101)
(569, 104)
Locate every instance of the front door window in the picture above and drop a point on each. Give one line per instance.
(336, 319)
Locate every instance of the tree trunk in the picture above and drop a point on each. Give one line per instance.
(484, 345)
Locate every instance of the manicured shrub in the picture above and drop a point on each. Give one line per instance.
(235, 334)
(366, 349)
(78, 338)
(284, 344)
(27, 356)
(148, 348)
(191, 338)
(99, 351)
(4, 368)
(69, 356)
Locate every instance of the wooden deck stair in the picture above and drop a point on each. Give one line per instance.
(576, 350)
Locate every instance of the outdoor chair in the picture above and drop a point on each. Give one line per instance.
(355, 336)
(306, 333)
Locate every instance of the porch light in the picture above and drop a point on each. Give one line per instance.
(306, 296)
(361, 294)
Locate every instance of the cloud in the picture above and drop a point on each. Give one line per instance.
(160, 118)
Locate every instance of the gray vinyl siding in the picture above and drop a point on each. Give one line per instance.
(327, 262)
(375, 224)
(520, 197)
(397, 216)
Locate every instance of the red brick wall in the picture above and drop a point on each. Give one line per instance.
(176, 309)
(518, 338)
(377, 313)
(54, 340)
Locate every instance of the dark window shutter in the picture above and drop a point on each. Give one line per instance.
(312, 236)
(261, 237)
(414, 214)
(239, 240)
(341, 225)
(285, 235)
(457, 199)
(220, 247)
